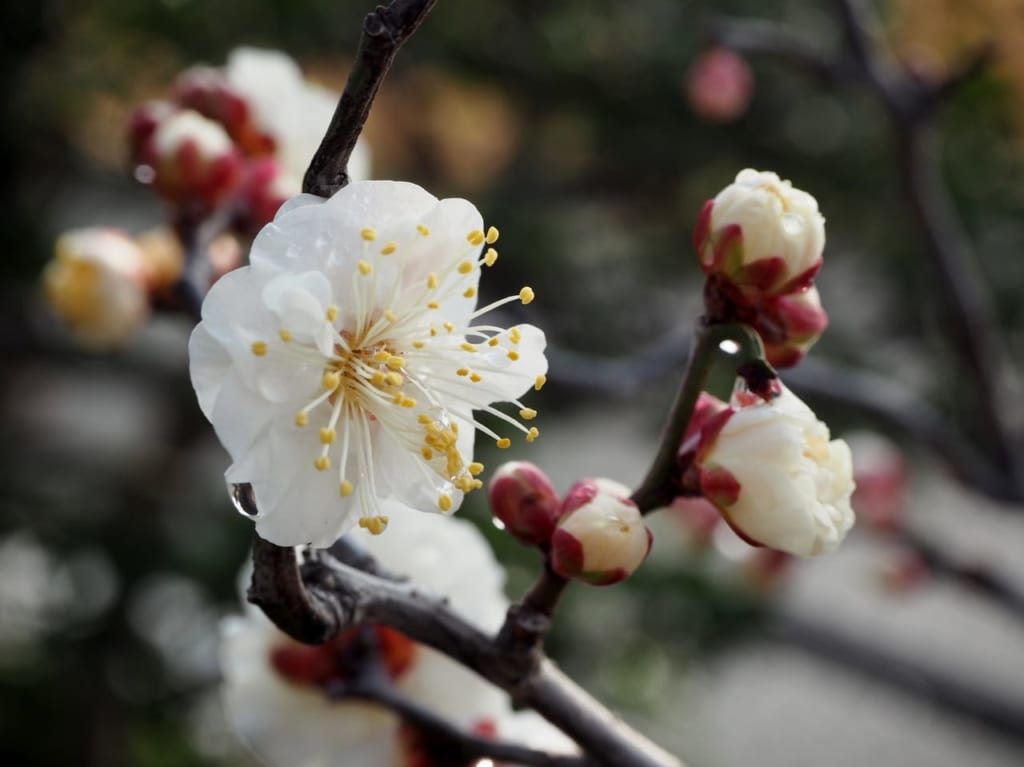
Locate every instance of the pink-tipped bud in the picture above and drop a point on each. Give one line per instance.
(265, 189)
(882, 475)
(601, 538)
(194, 160)
(790, 325)
(142, 126)
(209, 92)
(719, 86)
(525, 502)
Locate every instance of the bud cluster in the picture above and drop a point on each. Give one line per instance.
(760, 243)
(595, 534)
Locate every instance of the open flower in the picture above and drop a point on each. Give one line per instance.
(341, 368)
(762, 235)
(774, 473)
(277, 691)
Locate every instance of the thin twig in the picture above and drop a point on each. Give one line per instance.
(384, 32)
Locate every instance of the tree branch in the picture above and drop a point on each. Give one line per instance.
(384, 32)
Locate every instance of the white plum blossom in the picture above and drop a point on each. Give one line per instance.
(275, 690)
(341, 368)
(289, 108)
(776, 476)
(762, 234)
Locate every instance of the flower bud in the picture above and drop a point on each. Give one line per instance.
(776, 476)
(762, 235)
(601, 538)
(194, 160)
(265, 189)
(719, 86)
(883, 481)
(209, 92)
(524, 500)
(790, 325)
(142, 126)
(97, 284)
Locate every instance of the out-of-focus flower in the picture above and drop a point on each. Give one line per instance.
(761, 235)
(601, 538)
(883, 480)
(341, 368)
(194, 160)
(97, 284)
(777, 478)
(276, 691)
(790, 325)
(524, 501)
(719, 85)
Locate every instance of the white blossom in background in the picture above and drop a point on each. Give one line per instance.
(341, 368)
(776, 476)
(289, 108)
(762, 234)
(294, 724)
(96, 283)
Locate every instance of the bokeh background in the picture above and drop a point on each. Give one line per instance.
(569, 124)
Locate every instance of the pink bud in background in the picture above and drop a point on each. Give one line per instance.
(194, 160)
(883, 479)
(265, 188)
(790, 325)
(525, 502)
(141, 127)
(601, 538)
(209, 92)
(719, 85)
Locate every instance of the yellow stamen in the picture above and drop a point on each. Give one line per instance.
(449, 326)
(322, 463)
(462, 372)
(513, 355)
(427, 453)
(259, 348)
(468, 347)
(504, 443)
(493, 342)
(327, 435)
(285, 335)
(527, 413)
(466, 267)
(301, 419)
(444, 502)
(388, 249)
(332, 313)
(408, 402)
(330, 380)
(490, 256)
(433, 305)
(475, 468)
(432, 281)
(395, 362)
(346, 488)
(365, 269)
(395, 379)
(526, 295)
(492, 235)
(538, 384)
(532, 434)
(390, 316)
(368, 233)
(469, 293)
(475, 378)
(423, 230)
(515, 336)
(418, 344)
(476, 237)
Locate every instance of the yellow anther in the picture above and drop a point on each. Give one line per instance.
(464, 483)
(397, 399)
(345, 488)
(532, 434)
(301, 419)
(390, 316)
(418, 344)
(395, 362)
(466, 346)
(444, 502)
(395, 379)
(515, 336)
(382, 356)
(513, 355)
(378, 379)
(538, 384)
(365, 269)
(285, 335)
(490, 256)
(449, 326)
(259, 348)
(477, 484)
(423, 230)
(475, 468)
(424, 419)
(504, 443)
(462, 372)
(527, 413)
(455, 427)
(492, 235)
(466, 267)
(432, 281)
(494, 341)
(388, 249)
(476, 237)
(330, 380)
(368, 233)
(433, 332)
(427, 453)
(363, 522)
(377, 525)
(327, 435)
(408, 402)
(433, 305)
(526, 295)
(475, 378)
(469, 293)
(322, 463)
(332, 313)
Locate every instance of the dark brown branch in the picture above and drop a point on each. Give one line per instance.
(384, 32)
(528, 622)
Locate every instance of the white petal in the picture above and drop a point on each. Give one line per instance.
(208, 365)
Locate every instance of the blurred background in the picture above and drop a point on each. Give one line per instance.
(591, 132)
